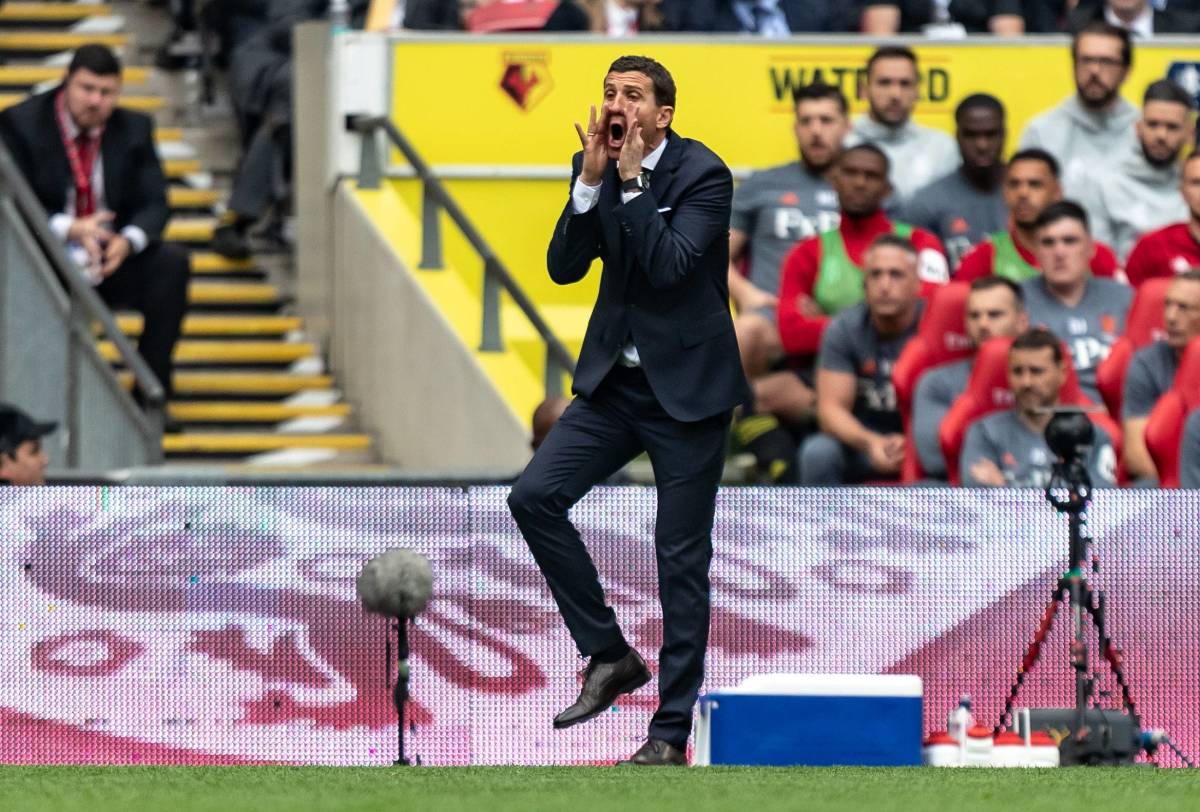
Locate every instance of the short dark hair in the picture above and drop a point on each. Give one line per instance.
(891, 240)
(1062, 210)
(1164, 90)
(1190, 275)
(892, 52)
(1036, 154)
(1039, 338)
(990, 282)
(978, 101)
(660, 77)
(815, 91)
(97, 58)
(868, 146)
(1104, 29)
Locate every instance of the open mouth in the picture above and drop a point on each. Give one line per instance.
(616, 134)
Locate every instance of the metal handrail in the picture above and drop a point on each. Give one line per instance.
(496, 277)
(82, 295)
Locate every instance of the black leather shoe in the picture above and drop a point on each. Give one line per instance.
(230, 243)
(602, 684)
(657, 753)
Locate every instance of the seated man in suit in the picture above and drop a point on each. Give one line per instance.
(995, 308)
(1152, 370)
(94, 168)
(1008, 448)
(861, 434)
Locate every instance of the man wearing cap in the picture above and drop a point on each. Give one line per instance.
(23, 461)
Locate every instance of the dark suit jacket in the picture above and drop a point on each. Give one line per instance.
(1175, 19)
(135, 188)
(718, 15)
(666, 256)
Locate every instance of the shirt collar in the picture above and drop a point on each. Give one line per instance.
(651, 160)
(1143, 26)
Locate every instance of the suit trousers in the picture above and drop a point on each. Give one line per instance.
(593, 439)
(155, 283)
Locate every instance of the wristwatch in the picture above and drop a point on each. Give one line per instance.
(639, 184)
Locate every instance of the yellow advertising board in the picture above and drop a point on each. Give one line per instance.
(493, 102)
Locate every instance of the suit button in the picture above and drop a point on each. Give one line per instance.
(628, 229)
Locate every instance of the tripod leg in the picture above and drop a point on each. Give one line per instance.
(1095, 607)
(1032, 654)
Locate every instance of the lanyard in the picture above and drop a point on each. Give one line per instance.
(84, 204)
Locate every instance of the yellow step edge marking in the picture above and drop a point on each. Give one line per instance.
(199, 325)
(190, 229)
(217, 442)
(180, 197)
(242, 383)
(56, 40)
(142, 104)
(42, 12)
(208, 262)
(231, 293)
(179, 167)
(166, 134)
(251, 412)
(227, 352)
(37, 74)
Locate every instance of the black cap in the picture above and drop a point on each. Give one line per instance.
(16, 427)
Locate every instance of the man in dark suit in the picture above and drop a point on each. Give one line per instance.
(94, 168)
(767, 18)
(659, 371)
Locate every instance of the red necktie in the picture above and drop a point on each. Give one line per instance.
(85, 198)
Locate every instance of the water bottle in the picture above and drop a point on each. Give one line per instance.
(960, 719)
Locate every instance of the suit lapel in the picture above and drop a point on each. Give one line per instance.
(664, 174)
(110, 155)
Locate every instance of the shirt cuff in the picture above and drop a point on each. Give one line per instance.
(137, 238)
(627, 196)
(60, 224)
(583, 197)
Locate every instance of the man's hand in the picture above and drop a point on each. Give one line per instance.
(808, 307)
(116, 251)
(985, 472)
(753, 298)
(595, 147)
(629, 165)
(885, 452)
(92, 233)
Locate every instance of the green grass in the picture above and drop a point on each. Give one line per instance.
(488, 789)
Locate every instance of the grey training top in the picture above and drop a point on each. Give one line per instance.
(1149, 375)
(777, 208)
(852, 344)
(1189, 453)
(936, 392)
(957, 212)
(1088, 329)
(1022, 455)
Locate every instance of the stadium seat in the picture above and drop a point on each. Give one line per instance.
(1143, 326)
(941, 338)
(987, 392)
(511, 15)
(1164, 429)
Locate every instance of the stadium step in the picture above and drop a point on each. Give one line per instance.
(142, 104)
(26, 76)
(190, 229)
(53, 13)
(167, 135)
(220, 325)
(207, 262)
(240, 383)
(243, 294)
(40, 43)
(181, 167)
(228, 353)
(181, 197)
(233, 411)
(258, 442)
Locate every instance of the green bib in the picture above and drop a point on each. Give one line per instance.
(839, 281)
(1007, 260)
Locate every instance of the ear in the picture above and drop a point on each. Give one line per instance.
(665, 116)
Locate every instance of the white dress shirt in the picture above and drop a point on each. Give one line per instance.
(584, 198)
(1140, 26)
(60, 223)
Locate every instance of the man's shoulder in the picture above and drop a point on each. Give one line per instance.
(998, 424)
(1112, 290)
(932, 135)
(130, 122)
(693, 153)
(30, 108)
(933, 195)
(1171, 233)
(853, 320)
(1151, 355)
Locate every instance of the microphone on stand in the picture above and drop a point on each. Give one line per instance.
(398, 585)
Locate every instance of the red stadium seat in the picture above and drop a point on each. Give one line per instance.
(941, 338)
(510, 15)
(987, 392)
(1143, 326)
(1164, 428)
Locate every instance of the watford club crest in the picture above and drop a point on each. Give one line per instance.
(526, 78)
